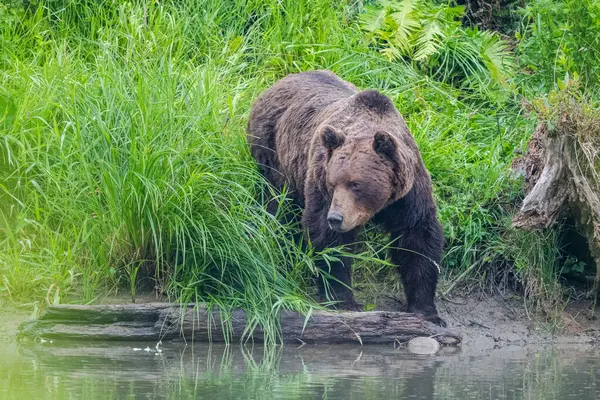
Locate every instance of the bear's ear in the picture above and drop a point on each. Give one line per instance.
(385, 144)
(331, 138)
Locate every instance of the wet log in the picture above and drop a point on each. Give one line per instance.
(561, 170)
(161, 321)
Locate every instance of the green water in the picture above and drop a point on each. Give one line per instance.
(120, 371)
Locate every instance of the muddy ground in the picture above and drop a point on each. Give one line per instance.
(497, 321)
(488, 322)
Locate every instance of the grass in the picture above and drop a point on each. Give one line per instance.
(124, 154)
(123, 162)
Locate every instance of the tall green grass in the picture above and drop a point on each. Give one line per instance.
(126, 152)
(123, 162)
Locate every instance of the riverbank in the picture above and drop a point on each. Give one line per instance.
(485, 322)
(491, 322)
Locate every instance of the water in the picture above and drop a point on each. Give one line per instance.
(117, 371)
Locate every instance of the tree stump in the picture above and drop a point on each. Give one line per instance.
(561, 169)
(161, 321)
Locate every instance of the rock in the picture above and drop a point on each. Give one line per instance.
(423, 345)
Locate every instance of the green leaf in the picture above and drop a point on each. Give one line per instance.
(496, 56)
(56, 300)
(373, 18)
(308, 315)
(561, 85)
(390, 53)
(429, 40)
(406, 21)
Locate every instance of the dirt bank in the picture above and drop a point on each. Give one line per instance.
(491, 322)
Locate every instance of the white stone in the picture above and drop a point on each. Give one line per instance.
(423, 345)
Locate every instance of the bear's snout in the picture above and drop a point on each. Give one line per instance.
(335, 221)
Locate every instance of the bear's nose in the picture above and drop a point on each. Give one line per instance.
(335, 221)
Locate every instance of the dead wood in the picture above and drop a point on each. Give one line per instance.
(561, 173)
(160, 321)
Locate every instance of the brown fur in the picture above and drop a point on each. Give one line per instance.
(348, 158)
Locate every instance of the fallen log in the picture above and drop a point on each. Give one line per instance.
(162, 321)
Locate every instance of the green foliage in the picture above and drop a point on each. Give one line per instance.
(432, 36)
(535, 261)
(411, 27)
(123, 162)
(558, 37)
(125, 153)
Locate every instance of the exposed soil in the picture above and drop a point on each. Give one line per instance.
(488, 322)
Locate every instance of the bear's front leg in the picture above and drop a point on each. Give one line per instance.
(339, 287)
(418, 252)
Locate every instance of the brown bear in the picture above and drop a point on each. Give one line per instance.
(347, 158)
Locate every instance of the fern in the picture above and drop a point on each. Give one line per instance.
(405, 20)
(496, 56)
(429, 40)
(431, 35)
(373, 18)
(391, 53)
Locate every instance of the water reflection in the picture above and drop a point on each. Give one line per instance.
(311, 372)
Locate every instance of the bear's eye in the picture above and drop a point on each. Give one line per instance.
(354, 185)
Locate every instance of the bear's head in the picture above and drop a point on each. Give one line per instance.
(364, 174)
